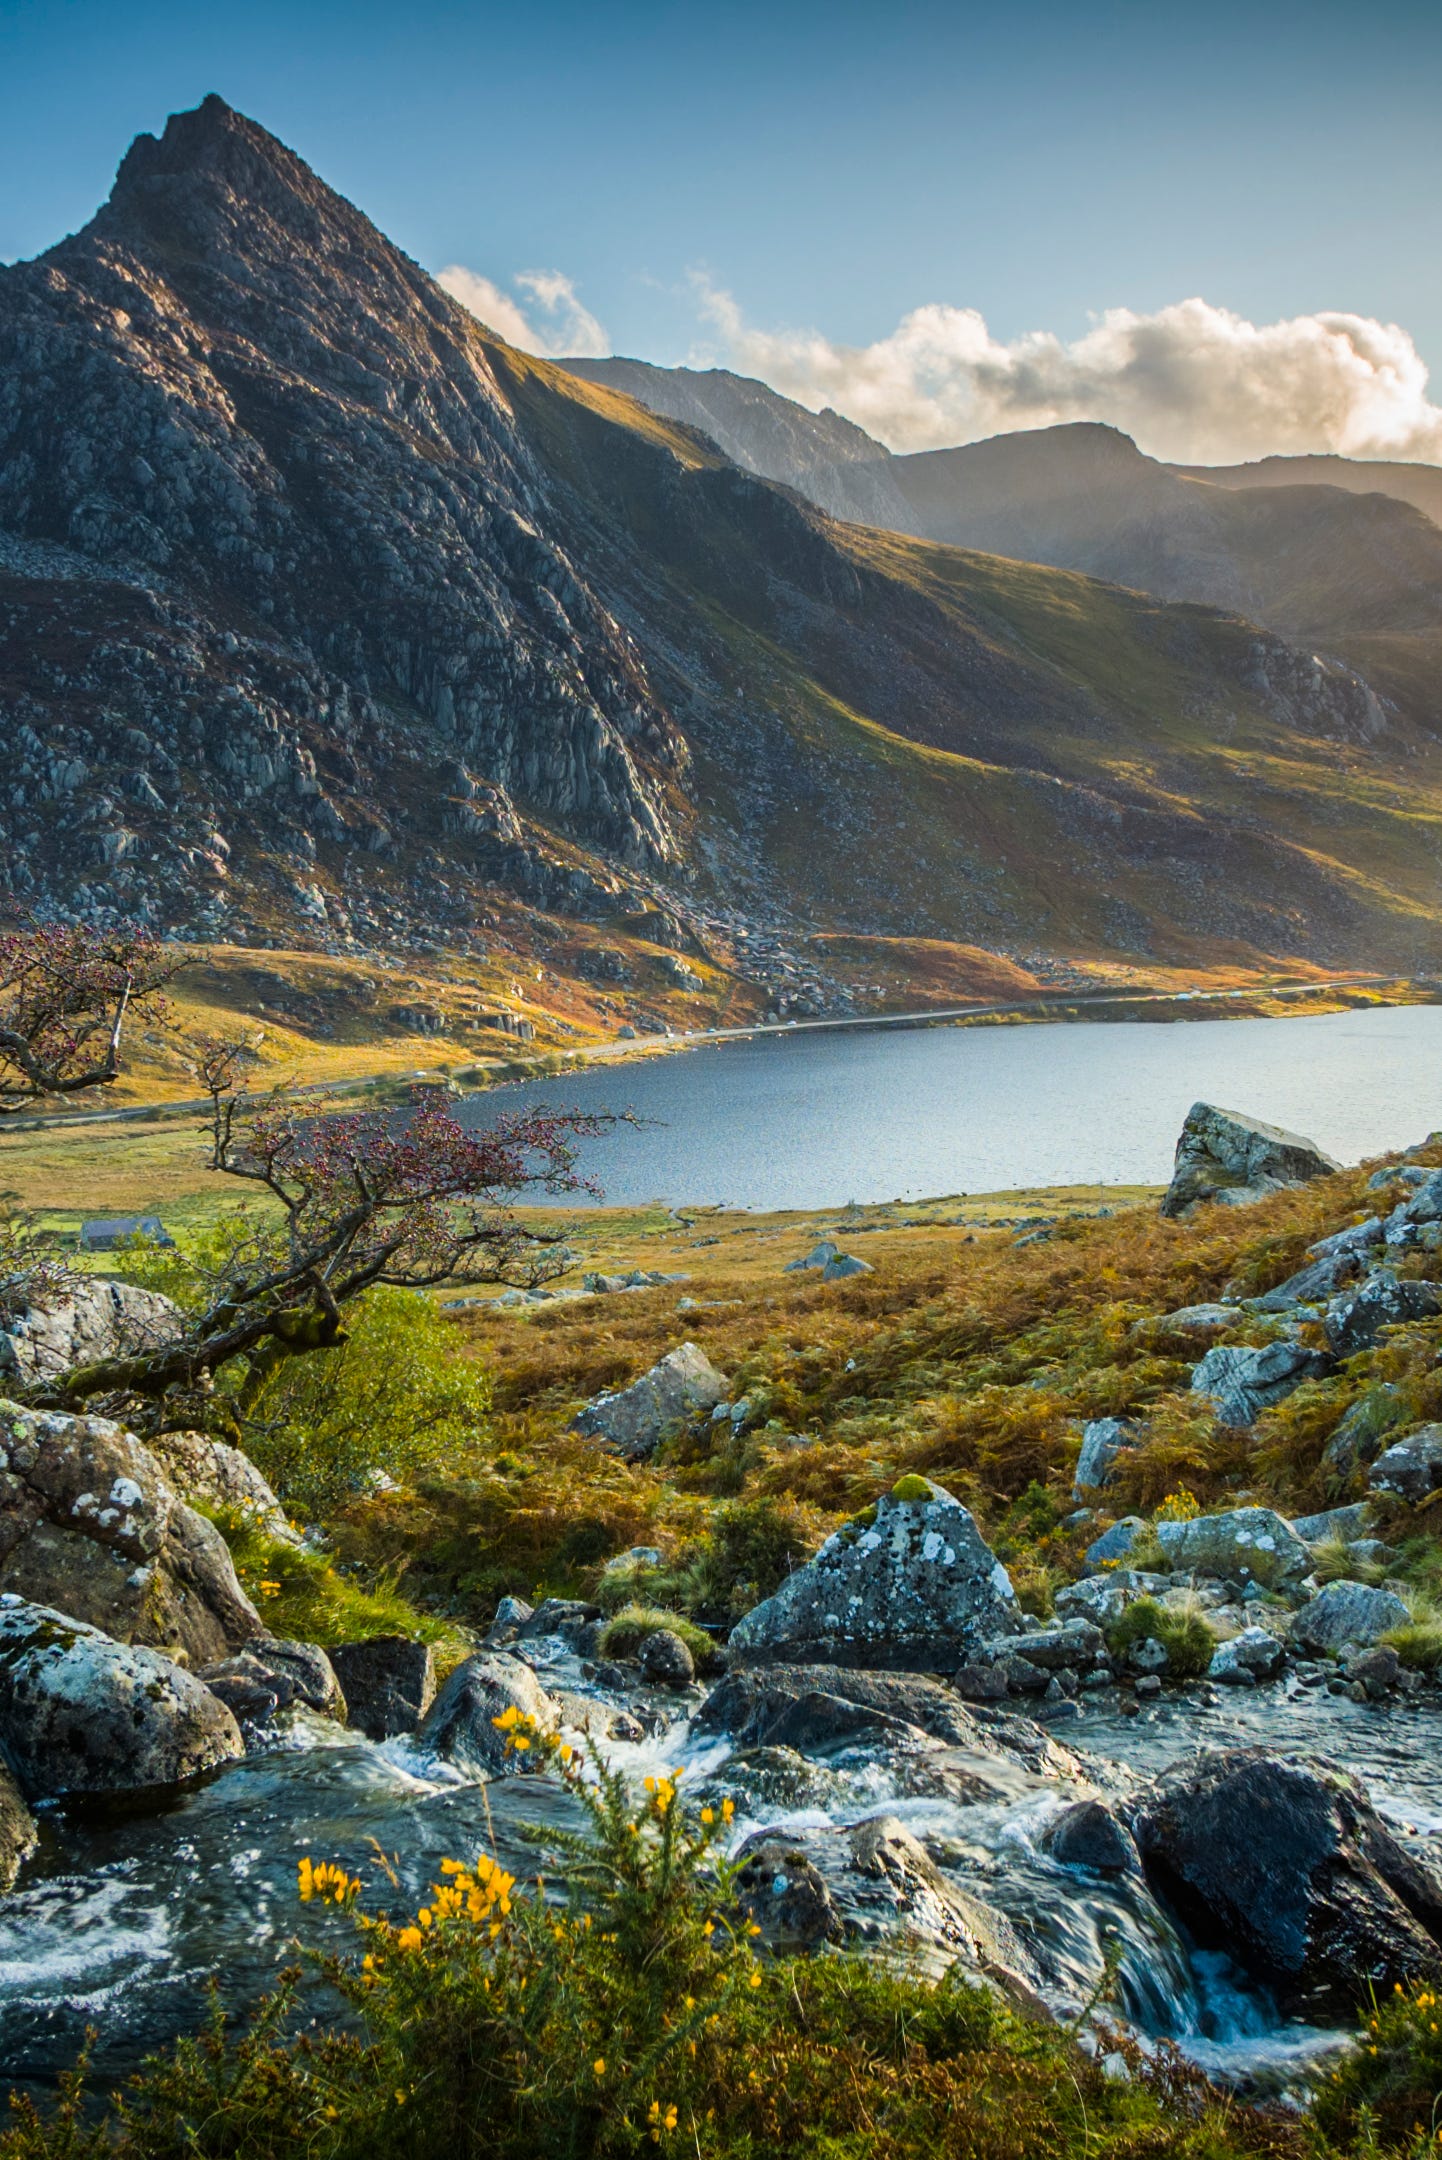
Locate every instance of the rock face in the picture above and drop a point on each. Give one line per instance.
(99, 1319)
(1222, 1156)
(1347, 1612)
(635, 1420)
(81, 1713)
(916, 1588)
(1245, 1545)
(389, 1683)
(1244, 1383)
(1292, 1871)
(461, 1729)
(90, 1525)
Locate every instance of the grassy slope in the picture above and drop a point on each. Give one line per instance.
(921, 707)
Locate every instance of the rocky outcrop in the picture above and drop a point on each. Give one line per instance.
(269, 1676)
(1356, 1321)
(635, 1420)
(209, 1473)
(461, 1727)
(82, 1713)
(1227, 1158)
(96, 1319)
(1411, 1469)
(91, 1526)
(1291, 1870)
(1103, 1441)
(389, 1683)
(911, 1585)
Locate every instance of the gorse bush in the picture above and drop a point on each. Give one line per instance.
(393, 1399)
(627, 2012)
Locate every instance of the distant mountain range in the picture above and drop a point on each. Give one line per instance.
(1327, 551)
(327, 616)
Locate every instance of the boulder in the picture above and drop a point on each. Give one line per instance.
(1312, 1283)
(1357, 1439)
(1192, 1321)
(1243, 1659)
(1410, 1469)
(82, 1713)
(1347, 1612)
(1088, 1835)
(1376, 1670)
(820, 1256)
(96, 1319)
(759, 1706)
(1222, 1156)
(1290, 1869)
(843, 1265)
(290, 1672)
(1355, 1322)
(915, 1588)
(510, 1617)
(635, 1420)
(1104, 1598)
(1423, 1204)
(90, 1525)
(1115, 1543)
(18, 1834)
(1357, 1238)
(784, 1894)
(461, 1726)
(566, 1617)
(665, 1660)
(1345, 1523)
(389, 1683)
(1103, 1440)
(1243, 1382)
(1249, 1544)
(1073, 1645)
(208, 1473)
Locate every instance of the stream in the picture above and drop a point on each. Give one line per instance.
(120, 1921)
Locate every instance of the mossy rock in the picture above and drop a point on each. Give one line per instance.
(911, 1487)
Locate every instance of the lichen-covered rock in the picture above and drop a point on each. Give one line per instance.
(461, 1728)
(18, 1834)
(1223, 1156)
(1355, 1321)
(82, 1713)
(1104, 1598)
(1312, 1283)
(635, 1420)
(665, 1660)
(1290, 1869)
(784, 1894)
(268, 1676)
(1115, 1542)
(1357, 1438)
(1245, 1382)
(210, 1473)
(1411, 1469)
(915, 1587)
(97, 1318)
(1251, 1544)
(389, 1683)
(1345, 1523)
(90, 1524)
(1348, 1612)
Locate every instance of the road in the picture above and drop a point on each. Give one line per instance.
(140, 1113)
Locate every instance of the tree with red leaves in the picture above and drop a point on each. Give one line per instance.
(66, 993)
(354, 1200)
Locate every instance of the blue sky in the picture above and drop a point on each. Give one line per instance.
(828, 167)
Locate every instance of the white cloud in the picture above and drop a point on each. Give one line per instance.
(553, 323)
(1192, 382)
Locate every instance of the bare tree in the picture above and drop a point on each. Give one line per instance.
(66, 993)
(350, 1201)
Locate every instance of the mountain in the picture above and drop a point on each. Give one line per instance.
(327, 617)
(1420, 485)
(830, 460)
(1329, 553)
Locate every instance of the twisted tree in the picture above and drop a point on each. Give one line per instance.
(66, 993)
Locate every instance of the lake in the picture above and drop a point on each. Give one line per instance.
(813, 1120)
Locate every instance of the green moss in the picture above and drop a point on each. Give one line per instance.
(911, 1487)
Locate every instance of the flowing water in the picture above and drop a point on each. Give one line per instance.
(814, 1120)
(123, 1918)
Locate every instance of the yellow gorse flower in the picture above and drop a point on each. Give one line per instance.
(324, 1880)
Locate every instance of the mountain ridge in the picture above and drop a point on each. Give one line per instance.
(327, 616)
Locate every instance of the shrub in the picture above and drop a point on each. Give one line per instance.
(1382, 2097)
(1183, 1634)
(395, 1398)
(623, 1635)
(631, 2014)
(301, 1596)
